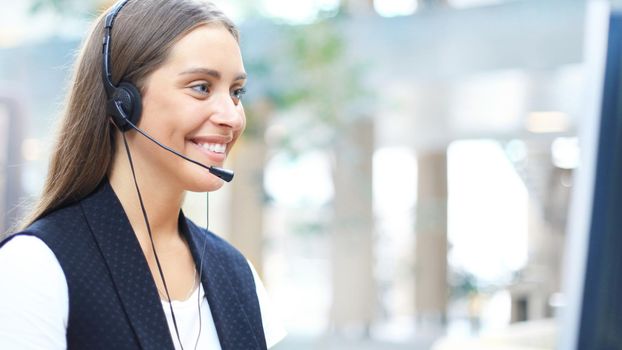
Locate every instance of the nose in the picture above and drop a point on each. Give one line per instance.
(226, 113)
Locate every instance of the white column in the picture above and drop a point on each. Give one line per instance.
(247, 200)
(354, 288)
(431, 289)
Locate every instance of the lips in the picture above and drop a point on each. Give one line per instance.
(214, 147)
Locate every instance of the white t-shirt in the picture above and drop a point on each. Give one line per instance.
(34, 303)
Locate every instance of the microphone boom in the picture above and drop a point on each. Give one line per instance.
(224, 174)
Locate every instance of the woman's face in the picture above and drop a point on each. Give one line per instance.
(192, 104)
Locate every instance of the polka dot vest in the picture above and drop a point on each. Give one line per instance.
(113, 300)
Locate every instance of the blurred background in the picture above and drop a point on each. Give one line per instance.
(405, 178)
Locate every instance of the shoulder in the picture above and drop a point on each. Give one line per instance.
(34, 296)
(58, 230)
(26, 261)
(64, 219)
(26, 248)
(51, 226)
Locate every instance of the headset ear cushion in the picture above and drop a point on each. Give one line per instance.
(129, 98)
(134, 102)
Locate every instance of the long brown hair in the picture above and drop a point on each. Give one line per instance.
(142, 36)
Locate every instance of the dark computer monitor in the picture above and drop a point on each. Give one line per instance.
(594, 254)
(601, 305)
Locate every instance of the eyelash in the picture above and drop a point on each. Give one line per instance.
(237, 93)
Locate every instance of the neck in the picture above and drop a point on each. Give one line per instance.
(161, 200)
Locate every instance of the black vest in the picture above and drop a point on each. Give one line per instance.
(113, 300)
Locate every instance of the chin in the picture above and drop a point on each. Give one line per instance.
(208, 183)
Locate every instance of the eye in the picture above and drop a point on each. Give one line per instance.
(202, 88)
(237, 95)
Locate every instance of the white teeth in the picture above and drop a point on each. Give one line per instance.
(214, 147)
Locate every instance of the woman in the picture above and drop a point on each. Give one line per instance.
(107, 259)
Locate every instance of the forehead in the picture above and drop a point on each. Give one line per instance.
(207, 46)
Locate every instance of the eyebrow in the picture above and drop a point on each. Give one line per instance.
(211, 72)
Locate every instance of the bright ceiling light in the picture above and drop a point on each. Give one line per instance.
(392, 8)
(472, 3)
(548, 122)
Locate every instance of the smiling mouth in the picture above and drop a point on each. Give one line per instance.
(219, 148)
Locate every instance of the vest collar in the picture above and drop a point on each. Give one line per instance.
(128, 267)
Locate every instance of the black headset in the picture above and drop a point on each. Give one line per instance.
(124, 101)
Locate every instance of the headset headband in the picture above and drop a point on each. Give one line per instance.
(106, 71)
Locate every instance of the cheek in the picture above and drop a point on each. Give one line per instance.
(155, 111)
(169, 119)
(243, 116)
